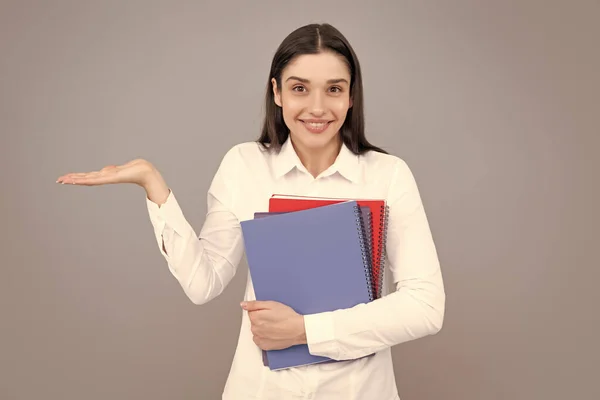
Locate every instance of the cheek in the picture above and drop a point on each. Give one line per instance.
(339, 104)
(340, 108)
(292, 107)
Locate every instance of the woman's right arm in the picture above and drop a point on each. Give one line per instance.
(202, 264)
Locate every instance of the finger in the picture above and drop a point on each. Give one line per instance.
(91, 180)
(256, 305)
(88, 178)
(252, 317)
(69, 176)
(66, 178)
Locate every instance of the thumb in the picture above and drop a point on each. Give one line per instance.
(255, 305)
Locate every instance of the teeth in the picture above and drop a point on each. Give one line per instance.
(316, 124)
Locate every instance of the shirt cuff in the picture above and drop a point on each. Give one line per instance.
(320, 334)
(169, 213)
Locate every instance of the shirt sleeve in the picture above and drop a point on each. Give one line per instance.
(203, 264)
(414, 310)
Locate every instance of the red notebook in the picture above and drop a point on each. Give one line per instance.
(379, 211)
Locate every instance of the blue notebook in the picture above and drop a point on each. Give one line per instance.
(367, 220)
(313, 260)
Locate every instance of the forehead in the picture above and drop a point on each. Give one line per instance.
(317, 67)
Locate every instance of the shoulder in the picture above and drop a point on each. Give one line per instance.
(244, 149)
(383, 163)
(396, 175)
(242, 154)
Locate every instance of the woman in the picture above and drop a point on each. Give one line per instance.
(312, 143)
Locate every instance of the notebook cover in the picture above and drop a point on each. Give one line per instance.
(368, 224)
(367, 218)
(379, 213)
(312, 260)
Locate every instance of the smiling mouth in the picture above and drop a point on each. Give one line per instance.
(316, 127)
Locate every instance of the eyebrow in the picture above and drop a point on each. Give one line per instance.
(304, 80)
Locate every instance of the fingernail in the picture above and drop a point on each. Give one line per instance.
(243, 304)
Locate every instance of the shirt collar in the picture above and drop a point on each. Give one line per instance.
(346, 163)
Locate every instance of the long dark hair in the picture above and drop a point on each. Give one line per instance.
(314, 39)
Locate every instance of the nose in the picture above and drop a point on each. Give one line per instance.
(317, 105)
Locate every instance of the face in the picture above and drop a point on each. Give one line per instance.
(315, 98)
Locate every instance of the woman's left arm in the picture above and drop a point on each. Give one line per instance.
(414, 310)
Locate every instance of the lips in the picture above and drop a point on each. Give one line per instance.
(315, 126)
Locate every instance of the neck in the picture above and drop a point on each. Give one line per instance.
(318, 160)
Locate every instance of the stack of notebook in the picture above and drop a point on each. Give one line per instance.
(315, 255)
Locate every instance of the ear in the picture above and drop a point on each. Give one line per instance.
(276, 92)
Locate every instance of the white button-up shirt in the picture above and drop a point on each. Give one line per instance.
(204, 264)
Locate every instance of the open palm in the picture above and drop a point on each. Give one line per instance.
(135, 171)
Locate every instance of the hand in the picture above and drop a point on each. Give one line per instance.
(136, 171)
(274, 325)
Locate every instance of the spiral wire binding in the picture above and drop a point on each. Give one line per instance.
(364, 249)
(368, 241)
(381, 248)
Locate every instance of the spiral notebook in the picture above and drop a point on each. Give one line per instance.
(379, 212)
(367, 220)
(312, 260)
(368, 224)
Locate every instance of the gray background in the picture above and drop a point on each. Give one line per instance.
(494, 105)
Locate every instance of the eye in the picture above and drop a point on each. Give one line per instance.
(336, 89)
(298, 88)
